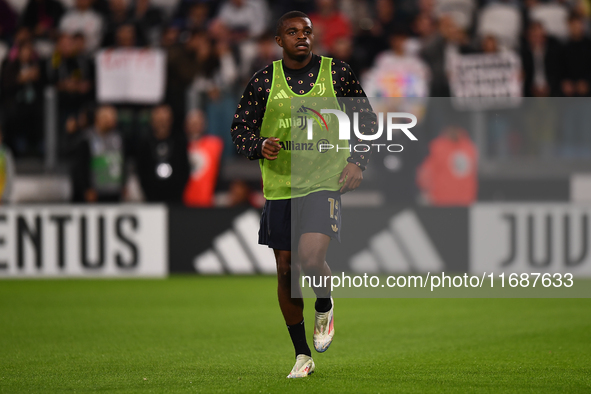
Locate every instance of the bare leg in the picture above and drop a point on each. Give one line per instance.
(312, 254)
(287, 278)
(292, 305)
(312, 257)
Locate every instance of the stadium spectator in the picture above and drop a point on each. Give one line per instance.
(342, 49)
(489, 44)
(22, 36)
(397, 74)
(193, 15)
(541, 63)
(502, 139)
(267, 52)
(184, 63)
(148, 21)
(423, 28)
(240, 195)
(240, 23)
(79, 40)
(435, 53)
(372, 37)
(126, 36)
(427, 7)
(329, 24)
(73, 75)
(205, 152)
(7, 171)
(98, 168)
(214, 72)
(576, 60)
(170, 38)
(220, 97)
(8, 21)
(281, 7)
(84, 19)
(75, 127)
(137, 24)
(196, 17)
(246, 19)
(553, 15)
(101, 7)
(42, 17)
(384, 18)
(215, 68)
(580, 8)
(448, 176)
(119, 15)
(22, 92)
(162, 160)
(576, 76)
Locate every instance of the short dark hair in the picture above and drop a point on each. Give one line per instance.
(286, 16)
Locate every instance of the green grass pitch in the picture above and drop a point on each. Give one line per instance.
(226, 334)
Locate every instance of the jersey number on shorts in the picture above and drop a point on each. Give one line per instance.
(334, 213)
(334, 208)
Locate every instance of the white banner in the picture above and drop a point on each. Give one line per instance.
(131, 75)
(484, 81)
(526, 238)
(56, 241)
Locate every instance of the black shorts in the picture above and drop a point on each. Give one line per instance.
(284, 221)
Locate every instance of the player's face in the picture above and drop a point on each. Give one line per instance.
(297, 37)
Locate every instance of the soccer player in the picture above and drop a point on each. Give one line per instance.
(308, 220)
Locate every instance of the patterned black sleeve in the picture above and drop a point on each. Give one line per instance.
(249, 115)
(347, 85)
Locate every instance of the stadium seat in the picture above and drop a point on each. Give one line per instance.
(501, 21)
(17, 5)
(460, 10)
(554, 18)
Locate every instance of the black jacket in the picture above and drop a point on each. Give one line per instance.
(551, 65)
(163, 168)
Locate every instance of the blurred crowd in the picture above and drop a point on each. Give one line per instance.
(212, 49)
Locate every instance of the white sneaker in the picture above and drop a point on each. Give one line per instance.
(324, 329)
(303, 367)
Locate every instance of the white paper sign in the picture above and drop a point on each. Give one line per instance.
(484, 81)
(131, 75)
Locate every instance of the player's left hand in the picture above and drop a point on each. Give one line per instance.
(351, 176)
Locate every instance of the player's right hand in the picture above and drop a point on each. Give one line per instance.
(271, 148)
